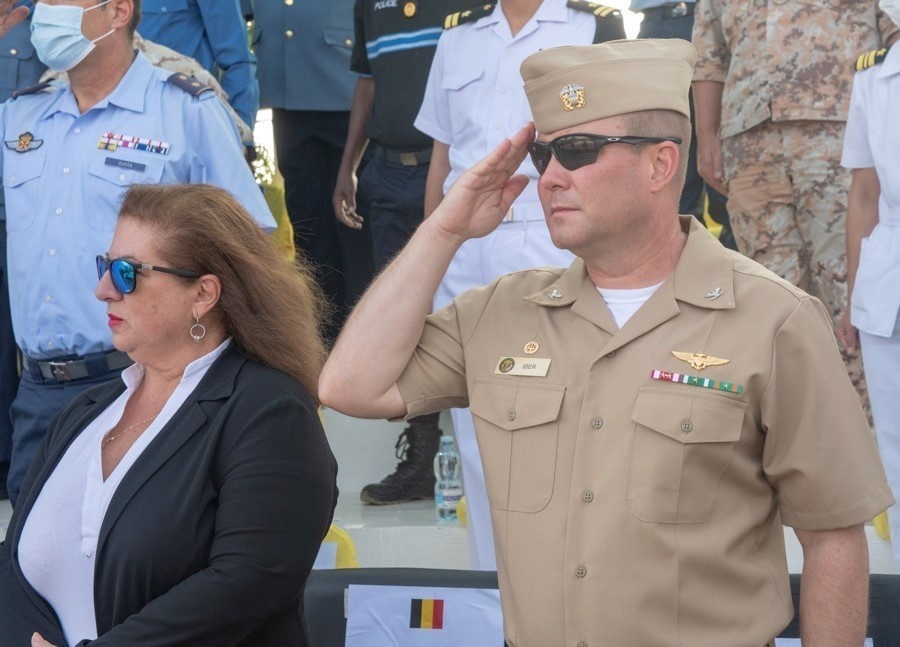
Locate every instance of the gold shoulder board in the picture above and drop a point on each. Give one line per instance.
(469, 15)
(867, 60)
(599, 10)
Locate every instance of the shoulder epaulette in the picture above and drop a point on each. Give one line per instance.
(610, 24)
(32, 89)
(867, 60)
(599, 10)
(469, 15)
(189, 84)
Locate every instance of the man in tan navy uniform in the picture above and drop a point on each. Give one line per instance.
(648, 417)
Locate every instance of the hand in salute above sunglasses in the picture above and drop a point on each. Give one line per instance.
(482, 196)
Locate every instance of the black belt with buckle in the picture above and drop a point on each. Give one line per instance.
(66, 369)
(675, 10)
(407, 158)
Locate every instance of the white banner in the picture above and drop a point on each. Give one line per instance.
(412, 616)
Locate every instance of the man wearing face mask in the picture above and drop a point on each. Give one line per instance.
(70, 151)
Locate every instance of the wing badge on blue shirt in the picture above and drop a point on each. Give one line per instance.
(114, 141)
(26, 142)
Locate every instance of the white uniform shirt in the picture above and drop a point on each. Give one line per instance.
(873, 140)
(474, 97)
(58, 546)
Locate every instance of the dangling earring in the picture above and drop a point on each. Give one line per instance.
(198, 334)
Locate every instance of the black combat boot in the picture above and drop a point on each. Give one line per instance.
(414, 476)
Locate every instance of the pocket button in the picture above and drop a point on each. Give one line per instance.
(511, 415)
(686, 425)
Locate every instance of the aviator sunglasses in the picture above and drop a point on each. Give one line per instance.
(123, 274)
(580, 149)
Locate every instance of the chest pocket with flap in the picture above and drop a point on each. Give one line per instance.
(518, 427)
(682, 443)
(111, 173)
(21, 174)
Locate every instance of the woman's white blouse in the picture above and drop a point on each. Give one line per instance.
(58, 547)
(873, 140)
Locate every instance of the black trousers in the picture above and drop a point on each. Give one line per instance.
(309, 145)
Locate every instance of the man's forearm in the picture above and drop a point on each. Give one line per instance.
(707, 107)
(834, 590)
(381, 334)
(378, 340)
(438, 171)
(360, 113)
(862, 216)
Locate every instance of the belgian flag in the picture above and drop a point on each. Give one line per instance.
(426, 614)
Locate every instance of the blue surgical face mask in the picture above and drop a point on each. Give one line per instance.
(57, 37)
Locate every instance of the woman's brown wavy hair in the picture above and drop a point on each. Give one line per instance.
(274, 309)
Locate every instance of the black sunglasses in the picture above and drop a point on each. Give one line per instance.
(123, 274)
(580, 149)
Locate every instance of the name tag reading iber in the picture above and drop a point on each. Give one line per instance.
(531, 366)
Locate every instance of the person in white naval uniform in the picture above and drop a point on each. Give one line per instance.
(473, 99)
(871, 146)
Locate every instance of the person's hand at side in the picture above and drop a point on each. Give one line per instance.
(344, 199)
(708, 119)
(10, 15)
(847, 333)
(709, 161)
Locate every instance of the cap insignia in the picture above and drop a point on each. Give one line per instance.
(572, 96)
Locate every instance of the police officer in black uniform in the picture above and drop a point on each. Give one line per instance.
(393, 47)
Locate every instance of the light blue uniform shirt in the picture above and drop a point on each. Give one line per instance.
(63, 193)
(640, 5)
(214, 33)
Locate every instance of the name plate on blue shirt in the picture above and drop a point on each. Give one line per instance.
(120, 163)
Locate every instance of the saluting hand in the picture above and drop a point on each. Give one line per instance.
(10, 16)
(478, 201)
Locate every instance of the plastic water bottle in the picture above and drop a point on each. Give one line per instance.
(447, 486)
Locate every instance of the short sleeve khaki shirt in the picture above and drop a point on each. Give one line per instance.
(635, 511)
(784, 60)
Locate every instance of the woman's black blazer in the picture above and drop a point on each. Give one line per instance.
(211, 534)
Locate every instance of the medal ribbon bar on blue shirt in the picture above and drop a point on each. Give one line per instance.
(113, 141)
(696, 380)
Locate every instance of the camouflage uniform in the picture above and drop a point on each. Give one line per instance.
(787, 70)
(169, 59)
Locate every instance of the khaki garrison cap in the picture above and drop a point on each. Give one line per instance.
(568, 86)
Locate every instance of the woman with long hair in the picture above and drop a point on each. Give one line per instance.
(186, 502)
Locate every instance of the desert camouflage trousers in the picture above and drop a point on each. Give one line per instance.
(787, 199)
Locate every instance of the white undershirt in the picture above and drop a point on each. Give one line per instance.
(624, 303)
(58, 546)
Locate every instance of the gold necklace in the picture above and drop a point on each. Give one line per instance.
(108, 439)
